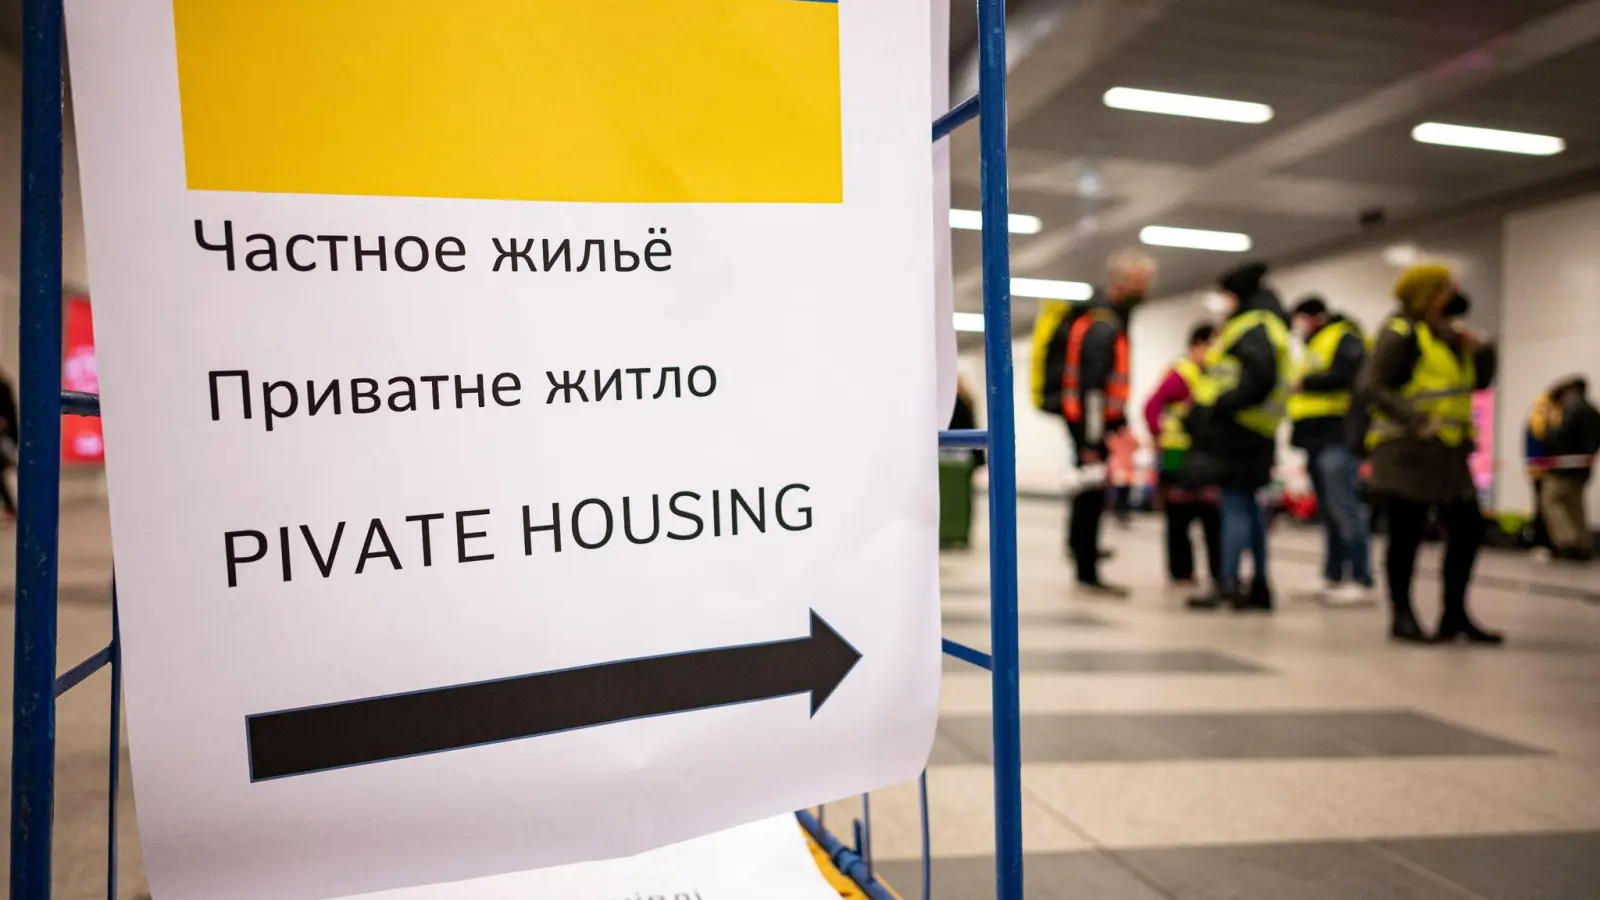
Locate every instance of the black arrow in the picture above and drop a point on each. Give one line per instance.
(374, 729)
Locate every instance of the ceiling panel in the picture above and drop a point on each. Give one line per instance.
(1182, 269)
(1330, 69)
(1299, 56)
(1550, 98)
(1054, 209)
(964, 27)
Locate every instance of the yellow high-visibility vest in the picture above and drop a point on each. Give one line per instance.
(1319, 356)
(1222, 371)
(1173, 436)
(1441, 388)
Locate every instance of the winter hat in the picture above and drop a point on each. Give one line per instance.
(1244, 281)
(1419, 284)
(1311, 306)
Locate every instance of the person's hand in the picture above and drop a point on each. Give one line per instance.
(1298, 387)
(1428, 429)
(1090, 457)
(1472, 339)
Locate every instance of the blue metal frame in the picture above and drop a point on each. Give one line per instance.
(39, 465)
(989, 107)
(42, 403)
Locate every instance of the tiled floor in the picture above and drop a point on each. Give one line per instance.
(1169, 755)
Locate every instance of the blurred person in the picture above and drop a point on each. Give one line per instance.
(1122, 469)
(964, 417)
(1242, 400)
(9, 446)
(1081, 373)
(1573, 445)
(1543, 417)
(1183, 506)
(1318, 409)
(1419, 380)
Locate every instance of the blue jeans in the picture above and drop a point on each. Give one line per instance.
(1244, 524)
(1336, 479)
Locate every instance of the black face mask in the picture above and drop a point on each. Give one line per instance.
(1458, 306)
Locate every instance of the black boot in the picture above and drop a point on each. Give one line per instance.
(1405, 629)
(1213, 600)
(1259, 600)
(1462, 626)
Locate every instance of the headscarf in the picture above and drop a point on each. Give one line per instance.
(1419, 284)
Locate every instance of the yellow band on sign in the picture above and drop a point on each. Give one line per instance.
(610, 101)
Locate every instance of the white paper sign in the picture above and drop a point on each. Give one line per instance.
(769, 860)
(516, 419)
(944, 306)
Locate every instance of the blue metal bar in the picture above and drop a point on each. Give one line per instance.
(844, 859)
(966, 438)
(33, 708)
(865, 844)
(968, 654)
(75, 676)
(955, 118)
(1005, 684)
(77, 403)
(927, 839)
(113, 785)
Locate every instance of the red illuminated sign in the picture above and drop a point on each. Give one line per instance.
(81, 443)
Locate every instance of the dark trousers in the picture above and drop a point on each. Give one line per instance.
(1183, 509)
(1084, 512)
(1541, 531)
(1180, 549)
(1462, 523)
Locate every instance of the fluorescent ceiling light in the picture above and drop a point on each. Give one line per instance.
(1195, 238)
(972, 323)
(1488, 139)
(1402, 255)
(1045, 289)
(1166, 104)
(1016, 223)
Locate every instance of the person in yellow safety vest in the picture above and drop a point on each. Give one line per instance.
(1318, 411)
(1418, 381)
(1163, 416)
(1242, 399)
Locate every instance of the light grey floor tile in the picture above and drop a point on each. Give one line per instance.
(1512, 867)
(1126, 662)
(1046, 876)
(947, 752)
(1110, 737)
(1330, 871)
(1068, 618)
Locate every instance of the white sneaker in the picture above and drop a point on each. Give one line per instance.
(1540, 554)
(1347, 595)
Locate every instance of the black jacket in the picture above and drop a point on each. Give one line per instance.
(8, 411)
(1225, 453)
(1577, 435)
(1096, 364)
(1313, 435)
